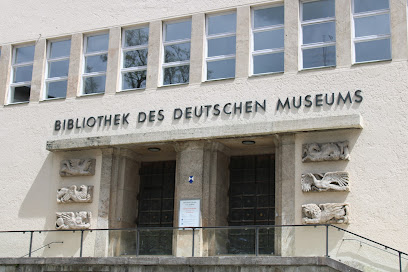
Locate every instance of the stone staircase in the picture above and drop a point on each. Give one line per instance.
(175, 264)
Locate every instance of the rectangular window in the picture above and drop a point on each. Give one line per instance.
(221, 45)
(176, 50)
(372, 33)
(22, 71)
(318, 33)
(134, 58)
(95, 61)
(57, 69)
(267, 40)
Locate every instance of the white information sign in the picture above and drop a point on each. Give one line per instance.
(189, 214)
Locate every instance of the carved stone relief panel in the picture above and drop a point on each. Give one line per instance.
(315, 152)
(77, 167)
(72, 194)
(329, 213)
(330, 181)
(73, 220)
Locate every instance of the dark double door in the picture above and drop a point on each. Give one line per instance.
(251, 202)
(156, 207)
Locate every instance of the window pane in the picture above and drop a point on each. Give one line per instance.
(96, 63)
(94, 84)
(222, 23)
(21, 94)
(369, 5)
(177, 52)
(24, 54)
(372, 25)
(60, 49)
(318, 9)
(373, 50)
(268, 17)
(175, 75)
(270, 63)
(221, 46)
(57, 89)
(134, 80)
(268, 39)
(319, 57)
(22, 74)
(135, 58)
(58, 68)
(178, 31)
(134, 37)
(221, 69)
(315, 33)
(97, 43)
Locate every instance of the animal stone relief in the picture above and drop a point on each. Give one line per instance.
(315, 152)
(72, 194)
(73, 220)
(329, 213)
(77, 167)
(330, 181)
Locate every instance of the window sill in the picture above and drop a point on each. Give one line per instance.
(131, 90)
(317, 68)
(17, 103)
(174, 85)
(219, 79)
(53, 99)
(91, 94)
(370, 62)
(266, 74)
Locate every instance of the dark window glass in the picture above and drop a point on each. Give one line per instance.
(23, 73)
(58, 68)
(221, 46)
(268, 63)
(269, 39)
(318, 9)
(373, 50)
(134, 80)
(370, 5)
(135, 37)
(319, 57)
(222, 23)
(177, 52)
(325, 32)
(57, 89)
(221, 69)
(96, 63)
(21, 94)
(372, 25)
(135, 58)
(176, 75)
(97, 43)
(94, 84)
(268, 17)
(60, 49)
(24, 54)
(178, 31)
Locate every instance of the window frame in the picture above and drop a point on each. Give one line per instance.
(318, 44)
(165, 65)
(48, 60)
(264, 29)
(371, 37)
(125, 49)
(216, 36)
(12, 73)
(96, 53)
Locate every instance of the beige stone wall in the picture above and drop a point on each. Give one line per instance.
(29, 173)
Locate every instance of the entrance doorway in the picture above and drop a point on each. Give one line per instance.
(156, 207)
(251, 202)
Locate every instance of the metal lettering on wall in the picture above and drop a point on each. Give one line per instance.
(212, 110)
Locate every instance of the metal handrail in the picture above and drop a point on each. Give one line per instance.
(47, 245)
(193, 229)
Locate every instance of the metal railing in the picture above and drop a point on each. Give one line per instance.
(230, 240)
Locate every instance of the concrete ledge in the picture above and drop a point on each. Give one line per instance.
(181, 261)
(274, 127)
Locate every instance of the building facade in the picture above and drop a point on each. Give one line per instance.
(248, 110)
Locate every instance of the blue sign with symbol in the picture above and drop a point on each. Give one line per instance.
(191, 179)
